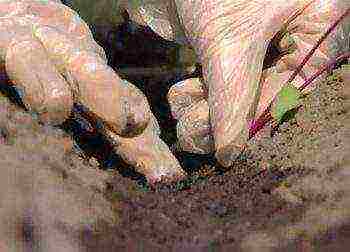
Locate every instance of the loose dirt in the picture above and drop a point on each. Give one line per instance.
(289, 190)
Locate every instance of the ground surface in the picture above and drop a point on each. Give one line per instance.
(290, 190)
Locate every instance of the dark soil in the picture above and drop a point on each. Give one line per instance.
(289, 190)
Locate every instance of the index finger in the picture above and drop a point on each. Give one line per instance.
(113, 100)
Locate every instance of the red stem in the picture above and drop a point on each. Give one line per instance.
(317, 45)
(323, 69)
(256, 125)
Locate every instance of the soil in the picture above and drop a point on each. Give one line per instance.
(289, 190)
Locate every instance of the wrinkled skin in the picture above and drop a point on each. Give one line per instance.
(231, 40)
(54, 61)
(50, 56)
(229, 37)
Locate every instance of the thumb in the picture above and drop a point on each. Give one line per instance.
(231, 41)
(232, 76)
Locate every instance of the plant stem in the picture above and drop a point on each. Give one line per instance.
(317, 45)
(256, 125)
(328, 66)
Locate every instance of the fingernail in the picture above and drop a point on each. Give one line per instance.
(136, 108)
(230, 153)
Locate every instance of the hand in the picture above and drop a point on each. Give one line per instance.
(60, 50)
(50, 56)
(231, 38)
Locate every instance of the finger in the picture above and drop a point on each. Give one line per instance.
(138, 110)
(233, 85)
(49, 13)
(113, 100)
(59, 15)
(183, 94)
(149, 154)
(156, 15)
(12, 8)
(194, 130)
(43, 89)
(188, 103)
(304, 31)
(231, 41)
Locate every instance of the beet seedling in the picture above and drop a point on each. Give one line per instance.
(288, 97)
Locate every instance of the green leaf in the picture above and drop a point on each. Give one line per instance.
(287, 99)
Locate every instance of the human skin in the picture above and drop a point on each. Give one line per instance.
(30, 27)
(50, 56)
(36, 193)
(230, 39)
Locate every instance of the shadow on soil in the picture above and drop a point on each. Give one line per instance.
(288, 190)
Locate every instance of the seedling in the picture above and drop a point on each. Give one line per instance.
(288, 97)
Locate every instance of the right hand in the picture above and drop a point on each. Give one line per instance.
(231, 38)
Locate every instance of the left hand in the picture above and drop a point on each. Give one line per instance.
(49, 54)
